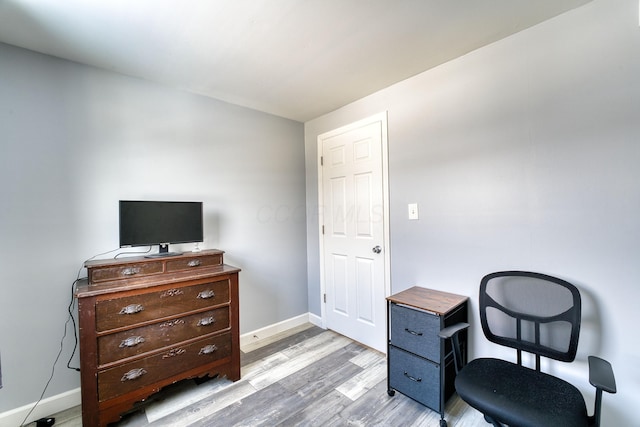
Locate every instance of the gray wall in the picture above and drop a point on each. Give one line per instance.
(521, 155)
(75, 140)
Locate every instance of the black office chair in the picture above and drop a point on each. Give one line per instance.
(538, 314)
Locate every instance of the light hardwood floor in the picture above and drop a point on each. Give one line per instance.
(303, 377)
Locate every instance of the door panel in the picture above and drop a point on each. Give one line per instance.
(337, 199)
(364, 205)
(339, 280)
(365, 282)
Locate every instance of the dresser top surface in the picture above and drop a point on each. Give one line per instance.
(136, 259)
(438, 302)
(84, 289)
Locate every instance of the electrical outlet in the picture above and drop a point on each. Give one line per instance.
(45, 422)
(413, 211)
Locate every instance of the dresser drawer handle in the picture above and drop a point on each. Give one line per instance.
(206, 321)
(171, 323)
(171, 293)
(131, 342)
(208, 349)
(130, 271)
(418, 380)
(418, 334)
(194, 263)
(133, 374)
(206, 294)
(174, 352)
(132, 309)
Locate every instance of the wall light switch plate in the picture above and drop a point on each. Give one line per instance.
(413, 211)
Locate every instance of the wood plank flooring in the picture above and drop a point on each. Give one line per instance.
(304, 377)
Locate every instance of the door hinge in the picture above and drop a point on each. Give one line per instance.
(324, 297)
(321, 160)
(323, 229)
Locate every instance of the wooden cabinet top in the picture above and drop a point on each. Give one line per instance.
(136, 259)
(125, 274)
(84, 289)
(438, 302)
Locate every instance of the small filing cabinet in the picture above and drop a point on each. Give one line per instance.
(420, 364)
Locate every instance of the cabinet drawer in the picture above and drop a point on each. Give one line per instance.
(415, 331)
(128, 311)
(134, 375)
(415, 377)
(127, 271)
(193, 263)
(136, 341)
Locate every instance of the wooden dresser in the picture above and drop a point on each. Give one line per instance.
(420, 364)
(146, 323)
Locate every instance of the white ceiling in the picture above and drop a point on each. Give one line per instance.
(297, 59)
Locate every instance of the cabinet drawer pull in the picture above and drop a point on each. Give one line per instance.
(133, 374)
(208, 349)
(206, 321)
(206, 294)
(132, 309)
(131, 342)
(174, 352)
(171, 323)
(171, 293)
(130, 271)
(194, 263)
(418, 334)
(418, 380)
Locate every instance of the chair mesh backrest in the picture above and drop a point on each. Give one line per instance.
(531, 312)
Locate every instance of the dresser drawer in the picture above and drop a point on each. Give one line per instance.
(126, 271)
(415, 377)
(136, 341)
(134, 375)
(415, 331)
(193, 263)
(129, 311)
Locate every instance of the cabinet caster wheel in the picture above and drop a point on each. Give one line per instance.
(443, 423)
(391, 392)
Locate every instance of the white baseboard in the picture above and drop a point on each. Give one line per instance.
(254, 337)
(69, 399)
(316, 320)
(45, 408)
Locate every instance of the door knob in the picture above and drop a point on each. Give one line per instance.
(377, 249)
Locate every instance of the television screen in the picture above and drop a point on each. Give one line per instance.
(145, 223)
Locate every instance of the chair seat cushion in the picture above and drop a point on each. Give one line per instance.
(519, 396)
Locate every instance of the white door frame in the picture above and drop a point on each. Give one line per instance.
(382, 118)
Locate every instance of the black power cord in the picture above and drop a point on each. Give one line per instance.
(72, 303)
(53, 368)
(73, 320)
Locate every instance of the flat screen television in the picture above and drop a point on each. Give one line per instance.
(146, 223)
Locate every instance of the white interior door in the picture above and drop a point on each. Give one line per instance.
(354, 238)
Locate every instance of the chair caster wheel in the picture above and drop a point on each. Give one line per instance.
(443, 423)
(391, 392)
